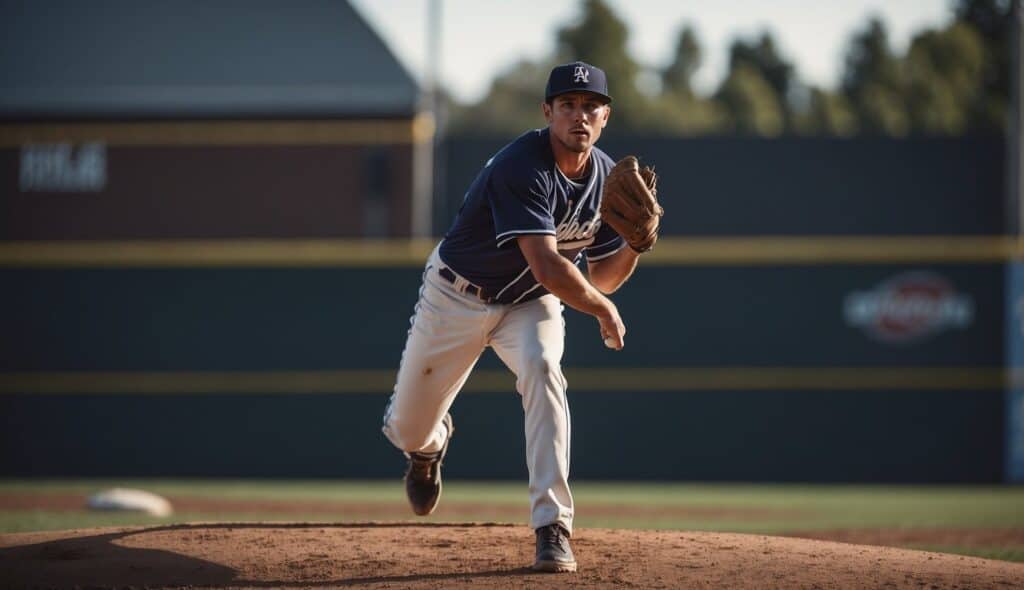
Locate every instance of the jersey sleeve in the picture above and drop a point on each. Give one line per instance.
(606, 242)
(520, 203)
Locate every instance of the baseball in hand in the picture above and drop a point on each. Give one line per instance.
(610, 342)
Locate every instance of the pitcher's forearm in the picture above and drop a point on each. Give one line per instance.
(564, 280)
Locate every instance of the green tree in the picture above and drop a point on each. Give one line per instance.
(750, 102)
(827, 113)
(680, 114)
(952, 80)
(944, 73)
(991, 19)
(677, 78)
(679, 110)
(873, 84)
(763, 55)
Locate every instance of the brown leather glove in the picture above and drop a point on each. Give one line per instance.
(630, 203)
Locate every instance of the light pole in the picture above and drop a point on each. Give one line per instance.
(425, 128)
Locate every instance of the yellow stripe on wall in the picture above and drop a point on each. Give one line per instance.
(670, 251)
(205, 253)
(834, 249)
(238, 133)
(627, 380)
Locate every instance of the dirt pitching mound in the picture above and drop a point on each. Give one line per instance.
(403, 555)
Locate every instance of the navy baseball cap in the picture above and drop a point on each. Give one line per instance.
(577, 77)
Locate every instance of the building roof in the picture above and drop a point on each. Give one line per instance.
(195, 58)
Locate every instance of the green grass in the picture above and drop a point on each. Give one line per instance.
(826, 506)
(763, 509)
(1011, 553)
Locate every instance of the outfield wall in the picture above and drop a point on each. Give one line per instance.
(782, 331)
(740, 373)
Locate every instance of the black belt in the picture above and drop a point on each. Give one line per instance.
(478, 292)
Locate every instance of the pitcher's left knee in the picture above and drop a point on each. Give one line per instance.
(540, 370)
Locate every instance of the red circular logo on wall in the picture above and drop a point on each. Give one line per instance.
(909, 306)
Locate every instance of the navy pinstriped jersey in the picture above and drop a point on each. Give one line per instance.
(520, 192)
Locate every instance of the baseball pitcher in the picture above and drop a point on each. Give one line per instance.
(500, 277)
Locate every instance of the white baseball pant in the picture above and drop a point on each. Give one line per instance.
(450, 330)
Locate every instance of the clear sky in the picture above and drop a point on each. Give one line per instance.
(481, 38)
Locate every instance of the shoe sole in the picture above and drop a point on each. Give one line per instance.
(555, 566)
(420, 512)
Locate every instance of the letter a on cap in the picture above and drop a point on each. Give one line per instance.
(580, 74)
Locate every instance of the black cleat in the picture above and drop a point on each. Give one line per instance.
(423, 477)
(553, 551)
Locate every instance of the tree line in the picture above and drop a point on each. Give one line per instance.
(952, 80)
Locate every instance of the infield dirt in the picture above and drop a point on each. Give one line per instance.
(404, 555)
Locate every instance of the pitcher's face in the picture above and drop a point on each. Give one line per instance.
(576, 119)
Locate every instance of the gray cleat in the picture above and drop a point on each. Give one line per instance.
(553, 551)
